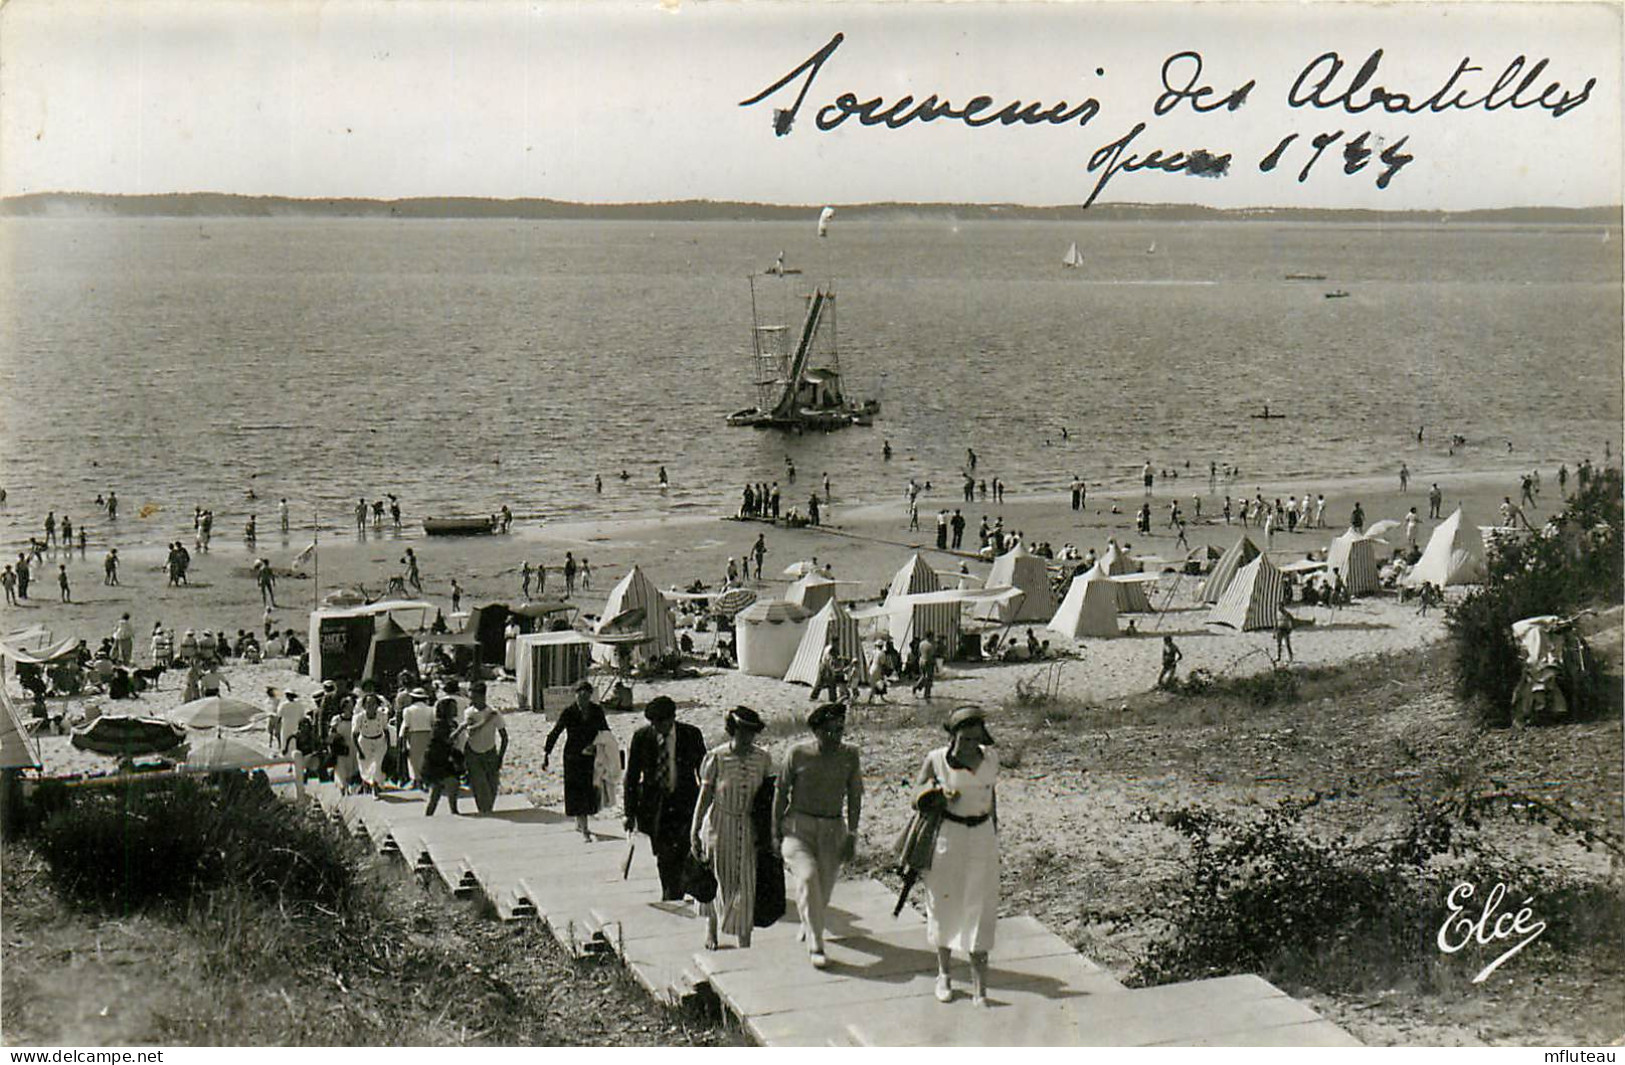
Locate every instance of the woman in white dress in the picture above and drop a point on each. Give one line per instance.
(962, 885)
(370, 728)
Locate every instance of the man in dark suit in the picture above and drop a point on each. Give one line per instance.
(662, 786)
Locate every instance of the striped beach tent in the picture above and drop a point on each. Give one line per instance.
(636, 591)
(1448, 558)
(1131, 598)
(1240, 553)
(907, 620)
(1355, 558)
(1253, 600)
(1027, 573)
(1089, 609)
(545, 660)
(18, 748)
(811, 592)
(832, 619)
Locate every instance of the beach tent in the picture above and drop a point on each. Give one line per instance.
(341, 636)
(489, 623)
(1253, 599)
(18, 749)
(905, 620)
(1355, 558)
(549, 664)
(766, 636)
(635, 591)
(1240, 553)
(1131, 598)
(1447, 559)
(1018, 569)
(1089, 609)
(811, 592)
(390, 652)
(832, 619)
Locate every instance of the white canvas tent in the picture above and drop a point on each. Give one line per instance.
(1448, 559)
(1131, 598)
(1028, 573)
(1355, 558)
(18, 750)
(811, 592)
(1253, 599)
(1089, 609)
(636, 591)
(766, 636)
(832, 619)
(548, 665)
(1239, 554)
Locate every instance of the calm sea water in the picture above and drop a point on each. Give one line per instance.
(464, 364)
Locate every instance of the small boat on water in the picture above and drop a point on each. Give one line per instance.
(1265, 413)
(778, 269)
(480, 525)
(1072, 258)
(1306, 277)
(1337, 294)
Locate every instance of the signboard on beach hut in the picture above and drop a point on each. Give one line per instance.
(1253, 600)
(1240, 553)
(834, 620)
(637, 592)
(1131, 598)
(1448, 558)
(1028, 573)
(549, 664)
(1089, 609)
(811, 592)
(766, 636)
(1355, 558)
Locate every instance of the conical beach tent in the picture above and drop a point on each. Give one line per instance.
(1253, 599)
(390, 653)
(635, 591)
(811, 592)
(833, 619)
(1131, 598)
(1017, 569)
(1089, 609)
(1447, 559)
(908, 620)
(18, 750)
(1241, 552)
(1354, 557)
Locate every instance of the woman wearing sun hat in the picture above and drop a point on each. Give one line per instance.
(723, 830)
(962, 885)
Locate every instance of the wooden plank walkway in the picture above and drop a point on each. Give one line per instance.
(878, 989)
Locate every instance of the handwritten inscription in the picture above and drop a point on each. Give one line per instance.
(1326, 83)
(1461, 930)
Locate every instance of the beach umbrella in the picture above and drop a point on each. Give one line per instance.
(1378, 528)
(128, 737)
(539, 608)
(802, 568)
(220, 753)
(217, 711)
(622, 623)
(733, 601)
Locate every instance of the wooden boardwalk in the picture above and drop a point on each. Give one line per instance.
(877, 991)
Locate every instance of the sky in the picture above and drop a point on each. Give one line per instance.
(630, 102)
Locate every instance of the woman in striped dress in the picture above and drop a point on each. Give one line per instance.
(723, 831)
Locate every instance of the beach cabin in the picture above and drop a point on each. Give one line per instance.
(341, 637)
(766, 635)
(549, 665)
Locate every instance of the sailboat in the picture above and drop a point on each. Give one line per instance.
(1072, 258)
(800, 387)
(1153, 249)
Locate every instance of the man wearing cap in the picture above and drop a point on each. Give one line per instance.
(662, 786)
(819, 778)
(481, 753)
(417, 725)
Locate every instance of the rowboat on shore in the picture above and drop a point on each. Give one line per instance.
(477, 525)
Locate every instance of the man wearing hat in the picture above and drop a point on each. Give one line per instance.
(820, 777)
(662, 786)
(482, 754)
(417, 725)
